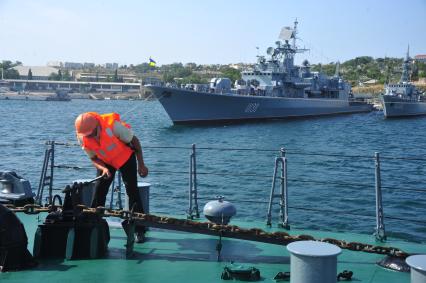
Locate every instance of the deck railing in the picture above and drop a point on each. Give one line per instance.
(366, 179)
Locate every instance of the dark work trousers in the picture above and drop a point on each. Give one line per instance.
(129, 172)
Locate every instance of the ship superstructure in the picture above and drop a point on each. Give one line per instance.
(277, 75)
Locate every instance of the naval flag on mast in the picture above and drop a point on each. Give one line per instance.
(151, 62)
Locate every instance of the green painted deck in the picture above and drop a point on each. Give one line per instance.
(169, 256)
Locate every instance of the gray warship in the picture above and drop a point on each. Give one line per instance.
(403, 99)
(275, 88)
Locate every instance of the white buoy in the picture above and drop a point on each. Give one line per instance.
(417, 265)
(313, 262)
(219, 211)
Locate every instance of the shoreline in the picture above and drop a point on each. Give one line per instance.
(42, 96)
(379, 88)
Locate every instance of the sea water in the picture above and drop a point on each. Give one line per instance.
(331, 166)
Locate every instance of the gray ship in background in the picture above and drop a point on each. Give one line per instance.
(274, 89)
(403, 99)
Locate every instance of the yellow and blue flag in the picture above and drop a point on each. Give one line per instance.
(151, 62)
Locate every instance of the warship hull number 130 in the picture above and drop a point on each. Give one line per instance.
(274, 88)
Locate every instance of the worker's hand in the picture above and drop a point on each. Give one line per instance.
(142, 170)
(106, 173)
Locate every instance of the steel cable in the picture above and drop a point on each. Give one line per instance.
(405, 219)
(262, 176)
(287, 151)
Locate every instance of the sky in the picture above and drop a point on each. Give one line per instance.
(206, 31)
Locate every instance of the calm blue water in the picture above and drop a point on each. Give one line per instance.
(325, 192)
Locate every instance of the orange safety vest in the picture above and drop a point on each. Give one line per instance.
(110, 149)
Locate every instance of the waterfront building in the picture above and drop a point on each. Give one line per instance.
(73, 65)
(39, 72)
(95, 77)
(88, 65)
(73, 86)
(420, 58)
(111, 66)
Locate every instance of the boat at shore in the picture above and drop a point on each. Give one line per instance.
(403, 99)
(274, 89)
(59, 96)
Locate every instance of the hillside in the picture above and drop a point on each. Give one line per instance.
(356, 71)
(362, 69)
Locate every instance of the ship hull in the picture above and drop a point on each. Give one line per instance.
(190, 107)
(394, 107)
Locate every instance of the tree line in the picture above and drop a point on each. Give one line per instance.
(365, 68)
(359, 69)
(188, 73)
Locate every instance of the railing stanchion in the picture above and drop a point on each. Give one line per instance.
(44, 179)
(380, 225)
(283, 196)
(271, 198)
(193, 197)
(119, 187)
(284, 192)
(39, 195)
(52, 165)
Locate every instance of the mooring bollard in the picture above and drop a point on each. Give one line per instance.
(313, 262)
(417, 265)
